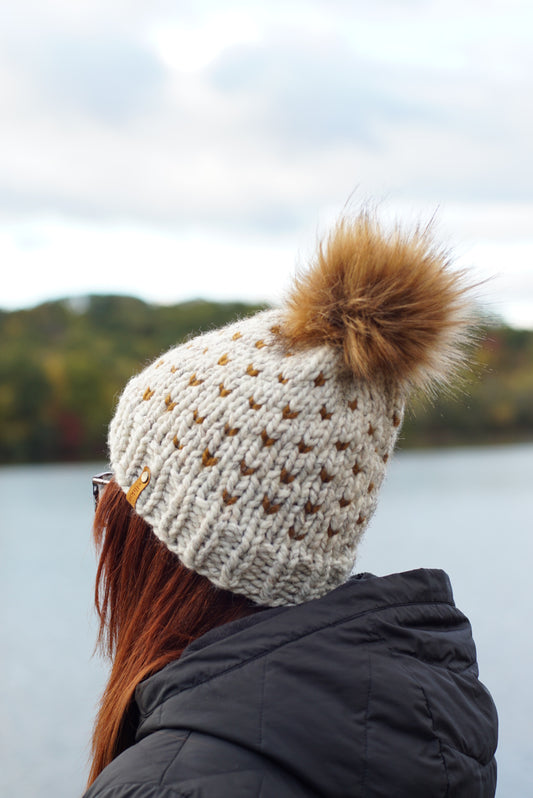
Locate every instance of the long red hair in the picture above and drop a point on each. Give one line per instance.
(150, 607)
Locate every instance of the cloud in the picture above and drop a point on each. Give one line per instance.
(315, 92)
(220, 136)
(280, 118)
(105, 77)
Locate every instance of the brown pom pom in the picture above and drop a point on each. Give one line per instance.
(389, 300)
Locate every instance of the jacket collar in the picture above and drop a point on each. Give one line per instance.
(232, 645)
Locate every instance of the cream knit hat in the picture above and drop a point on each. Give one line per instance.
(256, 451)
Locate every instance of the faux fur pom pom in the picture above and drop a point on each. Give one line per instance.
(389, 300)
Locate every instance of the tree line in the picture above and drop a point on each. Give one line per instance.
(64, 363)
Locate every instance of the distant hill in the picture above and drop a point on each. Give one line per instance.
(63, 364)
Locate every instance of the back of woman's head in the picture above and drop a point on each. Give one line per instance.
(250, 458)
(150, 607)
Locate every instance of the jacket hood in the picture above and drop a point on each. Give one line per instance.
(373, 684)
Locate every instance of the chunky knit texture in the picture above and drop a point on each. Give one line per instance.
(265, 464)
(266, 452)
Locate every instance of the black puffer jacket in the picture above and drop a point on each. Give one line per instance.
(370, 691)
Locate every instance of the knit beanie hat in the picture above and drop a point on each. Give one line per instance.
(256, 451)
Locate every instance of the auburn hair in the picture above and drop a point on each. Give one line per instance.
(150, 607)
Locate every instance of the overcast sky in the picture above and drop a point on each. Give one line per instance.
(173, 150)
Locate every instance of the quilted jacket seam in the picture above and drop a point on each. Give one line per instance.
(437, 737)
(176, 755)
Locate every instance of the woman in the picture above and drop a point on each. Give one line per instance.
(247, 462)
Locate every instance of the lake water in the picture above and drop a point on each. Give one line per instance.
(468, 511)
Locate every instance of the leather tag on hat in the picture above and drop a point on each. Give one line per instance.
(138, 486)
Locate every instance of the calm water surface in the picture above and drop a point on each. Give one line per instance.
(468, 511)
